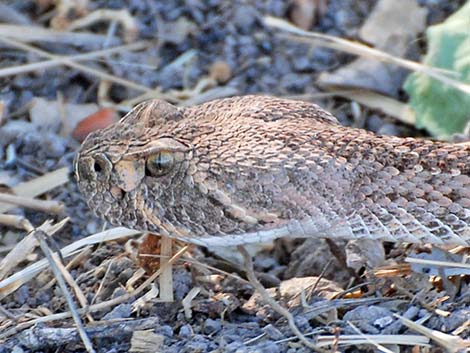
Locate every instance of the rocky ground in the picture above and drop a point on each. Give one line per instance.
(192, 51)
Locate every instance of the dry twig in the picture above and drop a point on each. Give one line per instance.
(38, 186)
(166, 278)
(122, 16)
(19, 222)
(10, 284)
(451, 343)
(54, 207)
(21, 69)
(363, 50)
(96, 307)
(250, 273)
(54, 261)
(95, 72)
(40, 34)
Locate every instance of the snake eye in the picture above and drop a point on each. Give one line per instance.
(159, 164)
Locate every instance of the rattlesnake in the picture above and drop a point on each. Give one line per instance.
(255, 168)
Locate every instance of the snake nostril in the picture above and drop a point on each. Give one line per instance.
(97, 167)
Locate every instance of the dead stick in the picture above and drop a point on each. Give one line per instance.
(53, 260)
(34, 204)
(102, 75)
(95, 307)
(166, 278)
(19, 222)
(78, 292)
(21, 69)
(250, 273)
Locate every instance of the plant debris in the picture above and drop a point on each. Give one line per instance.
(70, 283)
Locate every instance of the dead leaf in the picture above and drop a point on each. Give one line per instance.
(381, 28)
(98, 120)
(390, 106)
(291, 291)
(395, 39)
(364, 252)
(148, 254)
(52, 114)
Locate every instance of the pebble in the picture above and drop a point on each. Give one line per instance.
(198, 343)
(185, 331)
(295, 83)
(389, 129)
(244, 18)
(121, 311)
(212, 326)
(233, 346)
(267, 346)
(165, 330)
(17, 349)
(22, 294)
(455, 319)
(366, 317)
(374, 122)
(118, 292)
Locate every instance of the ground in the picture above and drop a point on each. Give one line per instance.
(192, 51)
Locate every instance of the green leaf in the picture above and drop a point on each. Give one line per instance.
(441, 109)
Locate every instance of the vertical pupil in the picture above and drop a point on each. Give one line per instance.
(158, 164)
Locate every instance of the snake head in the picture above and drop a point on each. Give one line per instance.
(127, 172)
(223, 169)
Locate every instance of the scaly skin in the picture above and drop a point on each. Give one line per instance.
(255, 168)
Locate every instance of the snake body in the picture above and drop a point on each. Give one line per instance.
(255, 168)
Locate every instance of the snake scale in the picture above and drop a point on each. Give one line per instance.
(255, 168)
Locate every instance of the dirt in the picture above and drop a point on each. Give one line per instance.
(224, 316)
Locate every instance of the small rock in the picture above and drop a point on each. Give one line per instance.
(383, 321)
(54, 146)
(198, 344)
(121, 311)
(302, 13)
(165, 330)
(366, 317)
(267, 346)
(125, 275)
(389, 129)
(294, 82)
(364, 252)
(186, 331)
(234, 346)
(211, 326)
(244, 18)
(118, 292)
(220, 71)
(17, 349)
(374, 122)
(22, 294)
(455, 320)
(276, 7)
